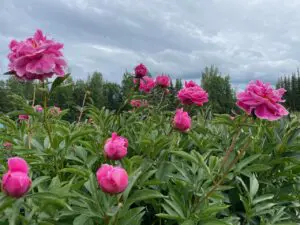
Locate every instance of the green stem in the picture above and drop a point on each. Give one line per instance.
(81, 110)
(45, 122)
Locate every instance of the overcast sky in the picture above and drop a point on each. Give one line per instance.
(248, 39)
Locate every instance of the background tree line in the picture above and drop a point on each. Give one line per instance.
(292, 84)
(111, 95)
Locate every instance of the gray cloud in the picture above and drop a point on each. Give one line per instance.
(257, 39)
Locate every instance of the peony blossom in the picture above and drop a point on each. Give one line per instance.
(23, 117)
(182, 121)
(38, 108)
(36, 58)
(262, 100)
(115, 148)
(147, 84)
(140, 71)
(7, 145)
(111, 179)
(16, 181)
(163, 81)
(137, 103)
(192, 94)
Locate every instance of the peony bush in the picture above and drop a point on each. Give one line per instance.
(149, 165)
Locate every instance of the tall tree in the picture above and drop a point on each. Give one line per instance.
(220, 93)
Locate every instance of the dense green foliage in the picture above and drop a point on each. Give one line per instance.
(224, 171)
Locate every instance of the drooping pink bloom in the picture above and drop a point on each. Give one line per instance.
(137, 103)
(7, 145)
(16, 181)
(115, 148)
(23, 117)
(140, 71)
(111, 179)
(36, 58)
(146, 84)
(192, 94)
(262, 100)
(182, 121)
(38, 108)
(163, 81)
(55, 111)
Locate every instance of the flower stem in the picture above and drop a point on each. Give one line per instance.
(81, 109)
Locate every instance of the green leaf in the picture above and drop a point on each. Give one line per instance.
(82, 220)
(246, 161)
(254, 185)
(50, 198)
(58, 81)
(188, 222)
(185, 155)
(143, 195)
(5, 202)
(167, 216)
(262, 198)
(39, 180)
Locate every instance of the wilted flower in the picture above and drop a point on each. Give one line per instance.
(23, 117)
(115, 148)
(192, 94)
(7, 145)
(262, 100)
(36, 58)
(111, 179)
(137, 103)
(38, 108)
(182, 121)
(55, 111)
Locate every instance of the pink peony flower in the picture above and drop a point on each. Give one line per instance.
(7, 145)
(36, 58)
(190, 84)
(146, 84)
(38, 108)
(115, 148)
(163, 81)
(17, 164)
(16, 181)
(23, 117)
(192, 94)
(140, 71)
(55, 111)
(182, 121)
(137, 103)
(111, 179)
(262, 100)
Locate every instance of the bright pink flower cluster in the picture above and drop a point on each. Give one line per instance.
(115, 148)
(111, 179)
(182, 121)
(137, 103)
(140, 71)
(192, 94)
(262, 100)
(36, 58)
(16, 181)
(163, 81)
